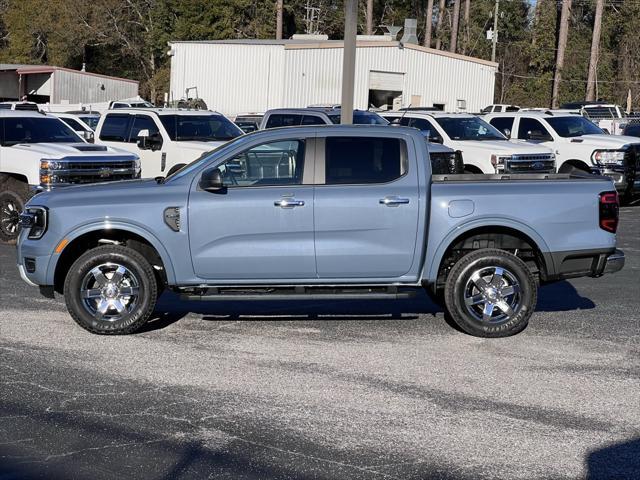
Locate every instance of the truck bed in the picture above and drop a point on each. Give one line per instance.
(473, 177)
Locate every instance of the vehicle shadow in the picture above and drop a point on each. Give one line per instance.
(621, 460)
(556, 297)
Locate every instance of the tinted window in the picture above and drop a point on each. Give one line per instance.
(276, 163)
(530, 127)
(422, 124)
(362, 160)
(574, 126)
(312, 120)
(115, 128)
(142, 122)
(503, 124)
(361, 118)
(37, 130)
(468, 128)
(92, 121)
(201, 128)
(283, 120)
(73, 124)
(512, 109)
(633, 130)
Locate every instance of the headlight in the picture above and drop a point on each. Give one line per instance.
(35, 220)
(499, 162)
(608, 157)
(50, 165)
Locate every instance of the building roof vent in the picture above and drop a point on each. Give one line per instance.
(410, 31)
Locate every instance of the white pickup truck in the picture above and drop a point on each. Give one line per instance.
(579, 144)
(165, 139)
(484, 149)
(40, 152)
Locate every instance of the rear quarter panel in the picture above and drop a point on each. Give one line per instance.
(558, 215)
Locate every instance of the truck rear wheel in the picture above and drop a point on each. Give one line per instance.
(111, 290)
(491, 293)
(13, 196)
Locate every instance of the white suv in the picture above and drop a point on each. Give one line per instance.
(484, 149)
(579, 144)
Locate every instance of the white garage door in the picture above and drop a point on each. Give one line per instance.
(386, 81)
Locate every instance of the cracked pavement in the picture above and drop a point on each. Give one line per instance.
(306, 390)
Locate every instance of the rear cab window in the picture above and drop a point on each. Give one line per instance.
(283, 120)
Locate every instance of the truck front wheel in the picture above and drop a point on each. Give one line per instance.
(491, 293)
(13, 197)
(111, 290)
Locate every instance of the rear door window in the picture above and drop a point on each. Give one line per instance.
(116, 128)
(363, 160)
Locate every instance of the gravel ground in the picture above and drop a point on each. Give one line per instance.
(306, 390)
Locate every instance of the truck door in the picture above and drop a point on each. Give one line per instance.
(260, 225)
(366, 207)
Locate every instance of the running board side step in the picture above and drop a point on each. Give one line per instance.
(297, 293)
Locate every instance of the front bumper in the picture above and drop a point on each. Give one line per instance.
(23, 275)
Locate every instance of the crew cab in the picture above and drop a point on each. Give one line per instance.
(335, 212)
(165, 139)
(40, 152)
(580, 146)
(483, 148)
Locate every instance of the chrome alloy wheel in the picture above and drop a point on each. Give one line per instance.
(109, 292)
(492, 295)
(9, 217)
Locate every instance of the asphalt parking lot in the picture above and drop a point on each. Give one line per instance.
(305, 390)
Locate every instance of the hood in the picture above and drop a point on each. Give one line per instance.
(502, 147)
(104, 189)
(60, 150)
(604, 141)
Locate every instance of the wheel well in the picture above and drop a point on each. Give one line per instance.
(472, 169)
(96, 238)
(6, 176)
(503, 238)
(579, 164)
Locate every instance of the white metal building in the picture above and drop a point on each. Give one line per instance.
(43, 83)
(236, 76)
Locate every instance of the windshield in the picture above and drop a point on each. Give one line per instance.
(574, 126)
(92, 121)
(199, 127)
(37, 130)
(468, 128)
(361, 118)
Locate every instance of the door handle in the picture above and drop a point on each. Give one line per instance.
(393, 201)
(288, 203)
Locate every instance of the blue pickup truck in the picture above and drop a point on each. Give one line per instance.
(331, 212)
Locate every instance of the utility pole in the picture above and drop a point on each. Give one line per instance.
(454, 26)
(495, 31)
(428, 23)
(467, 33)
(369, 17)
(349, 60)
(595, 50)
(562, 46)
(439, 24)
(279, 8)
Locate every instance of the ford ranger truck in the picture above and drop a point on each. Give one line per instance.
(484, 149)
(580, 145)
(40, 152)
(321, 212)
(165, 139)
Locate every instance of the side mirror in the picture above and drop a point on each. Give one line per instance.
(211, 180)
(506, 132)
(88, 136)
(143, 137)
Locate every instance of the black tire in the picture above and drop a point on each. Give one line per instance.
(175, 168)
(13, 197)
(513, 309)
(137, 276)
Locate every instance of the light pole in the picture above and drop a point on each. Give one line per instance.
(349, 60)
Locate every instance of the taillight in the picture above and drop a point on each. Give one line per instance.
(609, 211)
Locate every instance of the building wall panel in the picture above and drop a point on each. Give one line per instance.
(80, 87)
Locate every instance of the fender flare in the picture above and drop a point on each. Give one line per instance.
(432, 264)
(134, 228)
